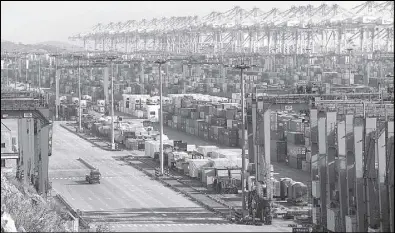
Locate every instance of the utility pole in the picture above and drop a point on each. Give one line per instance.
(27, 65)
(308, 64)
(160, 63)
(112, 58)
(79, 94)
(39, 73)
(6, 60)
(242, 67)
(56, 87)
(274, 59)
(349, 65)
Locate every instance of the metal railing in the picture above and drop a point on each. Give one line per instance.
(22, 104)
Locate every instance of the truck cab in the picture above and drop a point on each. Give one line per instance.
(93, 176)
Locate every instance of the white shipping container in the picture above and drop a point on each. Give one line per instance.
(206, 149)
(74, 100)
(351, 223)
(299, 190)
(209, 180)
(294, 150)
(83, 103)
(206, 172)
(276, 188)
(315, 188)
(101, 103)
(191, 147)
(373, 230)
(331, 220)
(308, 156)
(316, 214)
(290, 189)
(229, 123)
(87, 97)
(139, 113)
(196, 165)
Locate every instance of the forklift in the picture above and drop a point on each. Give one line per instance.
(226, 184)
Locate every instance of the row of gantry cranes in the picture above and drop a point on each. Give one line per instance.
(299, 30)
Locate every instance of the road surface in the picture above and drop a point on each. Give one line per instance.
(126, 198)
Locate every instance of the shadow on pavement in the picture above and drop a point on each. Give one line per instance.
(80, 182)
(184, 215)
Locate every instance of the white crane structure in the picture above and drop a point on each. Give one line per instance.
(324, 29)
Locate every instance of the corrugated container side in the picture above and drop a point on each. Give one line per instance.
(315, 186)
(351, 223)
(293, 162)
(281, 151)
(316, 214)
(331, 220)
(305, 166)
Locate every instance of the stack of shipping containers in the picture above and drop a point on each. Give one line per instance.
(296, 150)
(215, 123)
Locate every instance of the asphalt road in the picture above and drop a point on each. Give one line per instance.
(126, 198)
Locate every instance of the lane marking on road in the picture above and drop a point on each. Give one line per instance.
(170, 224)
(83, 177)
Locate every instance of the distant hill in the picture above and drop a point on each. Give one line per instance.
(44, 47)
(62, 45)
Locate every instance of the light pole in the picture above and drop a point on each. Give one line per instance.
(27, 65)
(242, 67)
(274, 59)
(160, 63)
(112, 58)
(308, 63)
(6, 60)
(79, 94)
(349, 65)
(56, 86)
(39, 73)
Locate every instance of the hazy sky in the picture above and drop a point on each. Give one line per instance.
(39, 21)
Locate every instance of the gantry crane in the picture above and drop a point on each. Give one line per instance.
(326, 28)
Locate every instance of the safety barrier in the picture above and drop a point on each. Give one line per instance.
(158, 172)
(86, 163)
(238, 216)
(75, 214)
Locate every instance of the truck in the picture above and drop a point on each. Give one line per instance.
(93, 176)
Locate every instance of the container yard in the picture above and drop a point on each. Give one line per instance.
(243, 115)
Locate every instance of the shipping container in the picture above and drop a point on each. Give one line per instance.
(315, 188)
(296, 138)
(284, 183)
(295, 150)
(293, 162)
(296, 125)
(351, 223)
(332, 215)
(281, 151)
(306, 166)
